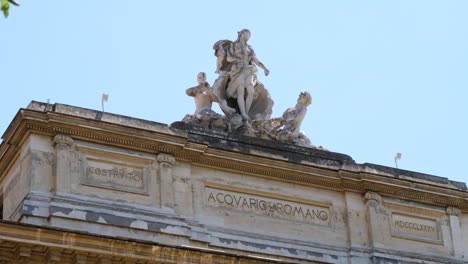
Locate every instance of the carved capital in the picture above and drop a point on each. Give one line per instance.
(453, 211)
(166, 158)
(63, 139)
(373, 196)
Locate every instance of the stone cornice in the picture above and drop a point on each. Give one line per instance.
(339, 174)
(19, 242)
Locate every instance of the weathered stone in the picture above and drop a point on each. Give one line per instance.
(132, 191)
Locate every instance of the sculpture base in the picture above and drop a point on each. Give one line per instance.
(272, 129)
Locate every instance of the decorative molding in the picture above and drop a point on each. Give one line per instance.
(201, 155)
(50, 247)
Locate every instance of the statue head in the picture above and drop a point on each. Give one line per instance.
(244, 35)
(305, 98)
(201, 77)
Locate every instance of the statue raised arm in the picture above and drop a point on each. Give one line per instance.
(237, 83)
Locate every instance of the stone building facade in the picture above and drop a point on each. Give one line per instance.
(83, 186)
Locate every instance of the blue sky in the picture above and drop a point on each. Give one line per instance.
(385, 76)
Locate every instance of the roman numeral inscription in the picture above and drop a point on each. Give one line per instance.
(269, 205)
(415, 228)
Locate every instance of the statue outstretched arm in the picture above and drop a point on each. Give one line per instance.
(206, 87)
(192, 91)
(260, 64)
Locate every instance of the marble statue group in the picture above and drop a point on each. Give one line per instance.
(245, 102)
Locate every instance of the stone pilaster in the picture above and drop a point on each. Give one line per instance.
(166, 162)
(373, 197)
(377, 221)
(453, 214)
(63, 145)
(358, 233)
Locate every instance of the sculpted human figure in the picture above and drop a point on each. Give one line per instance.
(236, 64)
(290, 128)
(201, 94)
(246, 103)
(204, 96)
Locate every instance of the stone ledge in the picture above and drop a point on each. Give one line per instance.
(101, 116)
(249, 145)
(221, 140)
(34, 242)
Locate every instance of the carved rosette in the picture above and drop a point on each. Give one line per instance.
(373, 196)
(453, 211)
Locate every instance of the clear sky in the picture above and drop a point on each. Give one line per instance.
(385, 76)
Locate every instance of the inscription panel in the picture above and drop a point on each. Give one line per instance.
(115, 175)
(267, 204)
(114, 169)
(416, 228)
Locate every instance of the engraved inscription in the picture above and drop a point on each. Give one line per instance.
(118, 176)
(416, 228)
(268, 206)
(123, 175)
